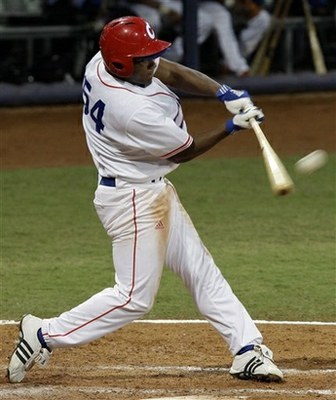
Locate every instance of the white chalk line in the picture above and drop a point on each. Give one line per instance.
(40, 392)
(50, 391)
(180, 368)
(202, 321)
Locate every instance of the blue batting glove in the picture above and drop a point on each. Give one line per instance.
(234, 100)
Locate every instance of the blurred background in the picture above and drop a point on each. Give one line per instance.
(241, 42)
(50, 41)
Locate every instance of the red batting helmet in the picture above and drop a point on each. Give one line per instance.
(126, 38)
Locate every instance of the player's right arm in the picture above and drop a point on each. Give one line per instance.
(200, 145)
(205, 141)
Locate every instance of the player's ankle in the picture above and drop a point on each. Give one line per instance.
(42, 341)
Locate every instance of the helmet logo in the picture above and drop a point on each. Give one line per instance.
(150, 31)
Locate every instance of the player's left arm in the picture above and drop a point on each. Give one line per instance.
(195, 82)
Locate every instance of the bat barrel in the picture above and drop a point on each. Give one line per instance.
(280, 181)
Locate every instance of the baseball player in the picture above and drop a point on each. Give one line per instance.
(136, 133)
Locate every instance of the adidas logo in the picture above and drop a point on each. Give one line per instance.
(159, 225)
(24, 351)
(238, 93)
(251, 366)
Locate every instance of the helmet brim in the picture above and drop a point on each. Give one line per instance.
(154, 49)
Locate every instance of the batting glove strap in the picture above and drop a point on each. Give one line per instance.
(230, 127)
(234, 100)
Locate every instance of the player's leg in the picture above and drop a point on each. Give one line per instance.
(138, 223)
(189, 259)
(130, 218)
(227, 40)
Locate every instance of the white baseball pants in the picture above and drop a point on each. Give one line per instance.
(149, 228)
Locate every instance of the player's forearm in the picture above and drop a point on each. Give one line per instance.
(201, 144)
(186, 79)
(207, 140)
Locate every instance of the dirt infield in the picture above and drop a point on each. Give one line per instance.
(143, 361)
(151, 361)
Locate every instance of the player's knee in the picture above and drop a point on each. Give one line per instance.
(142, 306)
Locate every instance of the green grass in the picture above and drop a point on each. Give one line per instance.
(278, 253)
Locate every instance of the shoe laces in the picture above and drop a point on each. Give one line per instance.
(264, 352)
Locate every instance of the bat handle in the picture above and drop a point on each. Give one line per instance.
(255, 126)
(259, 133)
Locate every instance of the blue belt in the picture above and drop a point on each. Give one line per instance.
(108, 182)
(112, 181)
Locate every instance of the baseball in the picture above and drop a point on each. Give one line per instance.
(311, 162)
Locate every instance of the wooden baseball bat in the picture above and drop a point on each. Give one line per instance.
(281, 182)
(319, 64)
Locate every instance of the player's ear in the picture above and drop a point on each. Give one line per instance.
(123, 68)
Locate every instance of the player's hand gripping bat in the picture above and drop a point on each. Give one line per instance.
(281, 182)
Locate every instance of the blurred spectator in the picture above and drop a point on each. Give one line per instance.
(163, 14)
(258, 20)
(155, 13)
(221, 20)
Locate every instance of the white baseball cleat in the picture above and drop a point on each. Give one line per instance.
(256, 363)
(28, 351)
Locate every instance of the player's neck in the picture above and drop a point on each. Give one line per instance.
(131, 81)
(135, 83)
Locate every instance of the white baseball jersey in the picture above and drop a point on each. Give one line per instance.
(142, 128)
